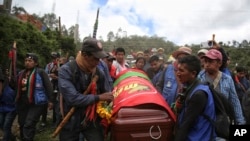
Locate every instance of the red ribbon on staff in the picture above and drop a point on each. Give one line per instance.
(12, 57)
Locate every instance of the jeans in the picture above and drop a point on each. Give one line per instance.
(28, 117)
(6, 120)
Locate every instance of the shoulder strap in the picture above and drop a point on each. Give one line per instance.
(74, 70)
(217, 79)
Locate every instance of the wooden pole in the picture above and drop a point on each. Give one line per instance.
(72, 110)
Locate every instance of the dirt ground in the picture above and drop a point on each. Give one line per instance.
(15, 127)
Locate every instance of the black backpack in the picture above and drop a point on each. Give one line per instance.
(246, 106)
(224, 113)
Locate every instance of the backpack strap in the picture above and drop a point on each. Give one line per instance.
(74, 71)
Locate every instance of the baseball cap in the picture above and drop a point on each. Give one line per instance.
(94, 47)
(182, 50)
(110, 56)
(32, 56)
(213, 54)
(55, 55)
(202, 51)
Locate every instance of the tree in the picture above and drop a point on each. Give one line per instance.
(118, 33)
(111, 36)
(244, 43)
(71, 31)
(18, 10)
(50, 20)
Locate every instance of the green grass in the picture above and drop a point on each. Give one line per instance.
(45, 135)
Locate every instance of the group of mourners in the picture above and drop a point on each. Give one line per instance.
(82, 81)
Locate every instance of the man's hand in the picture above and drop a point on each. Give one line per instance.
(53, 76)
(50, 105)
(108, 96)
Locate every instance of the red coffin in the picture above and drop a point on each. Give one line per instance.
(142, 124)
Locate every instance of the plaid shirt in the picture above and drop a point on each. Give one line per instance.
(227, 88)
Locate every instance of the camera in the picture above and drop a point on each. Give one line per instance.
(207, 44)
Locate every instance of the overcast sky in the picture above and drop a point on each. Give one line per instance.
(180, 21)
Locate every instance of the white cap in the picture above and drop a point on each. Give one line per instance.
(202, 51)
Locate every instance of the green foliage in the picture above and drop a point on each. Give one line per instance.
(29, 39)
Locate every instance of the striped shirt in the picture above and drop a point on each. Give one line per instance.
(227, 88)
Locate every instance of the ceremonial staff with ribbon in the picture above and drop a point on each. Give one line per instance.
(12, 57)
(93, 83)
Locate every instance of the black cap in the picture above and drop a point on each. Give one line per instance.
(32, 56)
(111, 56)
(55, 55)
(94, 47)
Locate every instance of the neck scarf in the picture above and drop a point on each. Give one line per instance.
(83, 64)
(30, 85)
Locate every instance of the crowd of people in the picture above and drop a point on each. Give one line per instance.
(80, 82)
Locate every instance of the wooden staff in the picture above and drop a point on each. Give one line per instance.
(96, 24)
(72, 110)
(213, 41)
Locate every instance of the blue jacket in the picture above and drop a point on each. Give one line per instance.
(170, 86)
(202, 129)
(7, 99)
(108, 79)
(72, 93)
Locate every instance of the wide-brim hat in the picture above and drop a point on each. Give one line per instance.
(182, 50)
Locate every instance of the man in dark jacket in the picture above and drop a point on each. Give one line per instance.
(74, 84)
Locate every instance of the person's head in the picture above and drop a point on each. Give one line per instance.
(71, 58)
(161, 59)
(155, 62)
(31, 61)
(92, 52)
(55, 55)
(139, 54)
(160, 51)
(212, 61)
(62, 60)
(140, 63)
(120, 54)
(147, 54)
(181, 52)
(188, 68)
(109, 59)
(200, 54)
(240, 71)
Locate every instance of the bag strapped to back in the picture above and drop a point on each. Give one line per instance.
(224, 113)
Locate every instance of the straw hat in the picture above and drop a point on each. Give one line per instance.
(182, 50)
